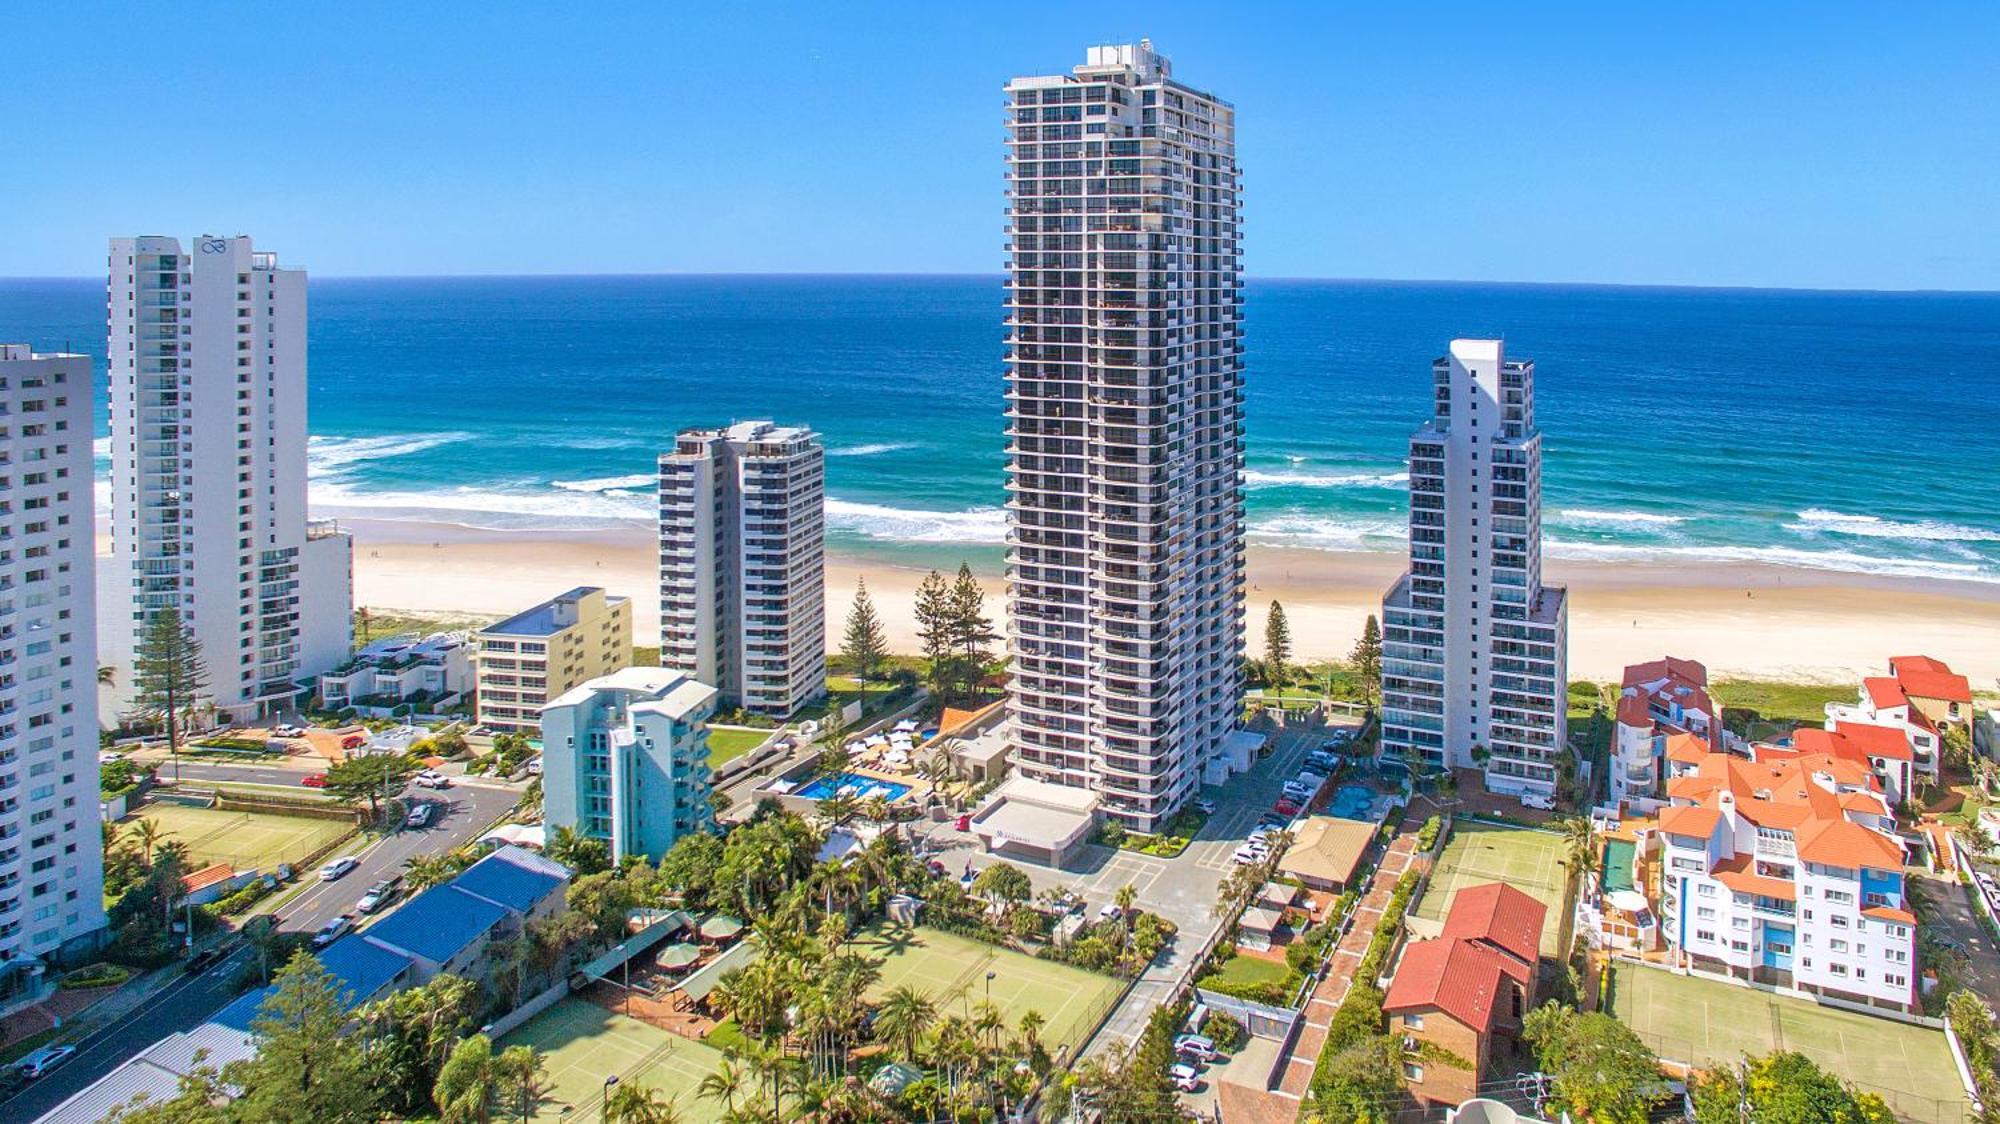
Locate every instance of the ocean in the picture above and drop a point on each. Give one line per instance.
(1831, 431)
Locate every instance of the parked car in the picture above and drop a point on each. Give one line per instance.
(535, 767)
(1246, 855)
(420, 815)
(1109, 911)
(1186, 1078)
(288, 731)
(378, 895)
(338, 868)
(43, 1060)
(332, 931)
(1205, 807)
(1540, 800)
(1198, 1046)
(431, 778)
(204, 960)
(313, 780)
(1287, 808)
(353, 741)
(1274, 820)
(964, 823)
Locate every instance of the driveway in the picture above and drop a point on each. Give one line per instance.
(1955, 917)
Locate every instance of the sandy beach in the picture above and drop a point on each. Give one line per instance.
(1759, 621)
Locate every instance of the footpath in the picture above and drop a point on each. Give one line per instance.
(1295, 1069)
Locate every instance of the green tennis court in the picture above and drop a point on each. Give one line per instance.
(952, 971)
(583, 1043)
(1527, 860)
(245, 840)
(1703, 1021)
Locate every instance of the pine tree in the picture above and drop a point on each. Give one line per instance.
(934, 626)
(1367, 658)
(306, 1066)
(168, 677)
(972, 629)
(1277, 647)
(864, 646)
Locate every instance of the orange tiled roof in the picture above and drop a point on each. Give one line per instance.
(1689, 819)
(1889, 913)
(1885, 742)
(1740, 874)
(207, 876)
(1632, 712)
(1934, 683)
(1884, 693)
(1463, 978)
(1840, 842)
(1689, 672)
(1501, 916)
(1686, 749)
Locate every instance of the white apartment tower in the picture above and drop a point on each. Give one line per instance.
(208, 466)
(51, 863)
(1124, 430)
(1474, 666)
(743, 563)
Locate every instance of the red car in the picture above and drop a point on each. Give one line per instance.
(1286, 808)
(313, 780)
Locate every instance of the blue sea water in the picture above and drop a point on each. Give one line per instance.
(1836, 431)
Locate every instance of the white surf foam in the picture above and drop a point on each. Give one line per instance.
(1583, 516)
(607, 483)
(1819, 521)
(872, 449)
(326, 456)
(900, 524)
(1255, 478)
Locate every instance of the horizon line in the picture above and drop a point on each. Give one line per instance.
(1260, 278)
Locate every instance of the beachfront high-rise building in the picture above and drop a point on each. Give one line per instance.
(1124, 431)
(534, 656)
(743, 563)
(1474, 646)
(625, 760)
(208, 467)
(51, 864)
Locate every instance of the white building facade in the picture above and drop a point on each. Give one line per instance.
(1657, 701)
(207, 356)
(625, 760)
(51, 860)
(1789, 873)
(1125, 431)
(1474, 646)
(434, 670)
(743, 563)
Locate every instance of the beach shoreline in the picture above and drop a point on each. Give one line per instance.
(1741, 619)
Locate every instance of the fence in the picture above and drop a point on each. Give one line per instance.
(1260, 1019)
(513, 1020)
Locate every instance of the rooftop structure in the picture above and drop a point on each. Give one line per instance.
(1035, 819)
(1124, 430)
(1917, 699)
(1474, 645)
(1326, 850)
(434, 669)
(742, 563)
(534, 656)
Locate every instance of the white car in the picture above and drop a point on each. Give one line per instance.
(1199, 1046)
(420, 815)
(1246, 854)
(1185, 1078)
(43, 1060)
(332, 931)
(1110, 911)
(289, 731)
(338, 868)
(431, 778)
(1541, 800)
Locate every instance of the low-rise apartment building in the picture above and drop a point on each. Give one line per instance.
(1458, 999)
(1788, 871)
(1656, 702)
(434, 671)
(531, 658)
(625, 760)
(1918, 697)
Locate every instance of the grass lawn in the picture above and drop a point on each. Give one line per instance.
(376, 624)
(952, 971)
(1481, 852)
(1769, 708)
(583, 1043)
(242, 839)
(1240, 972)
(725, 745)
(1701, 1021)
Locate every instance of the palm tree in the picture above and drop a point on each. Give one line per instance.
(1579, 845)
(107, 676)
(522, 1076)
(904, 1016)
(633, 1103)
(988, 1021)
(147, 836)
(1032, 1022)
(1125, 897)
(723, 1084)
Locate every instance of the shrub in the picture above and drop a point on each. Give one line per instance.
(1223, 1029)
(245, 898)
(1427, 837)
(96, 975)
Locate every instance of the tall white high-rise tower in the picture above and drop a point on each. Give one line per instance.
(208, 466)
(51, 859)
(743, 563)
(1474, 646)
(1125, 430)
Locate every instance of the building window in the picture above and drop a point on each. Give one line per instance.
(1413, 1022)
(1413, 1073)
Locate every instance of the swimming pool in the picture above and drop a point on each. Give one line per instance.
(1352, 802)
(853, 784)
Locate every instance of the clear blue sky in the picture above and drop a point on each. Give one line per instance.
(1852, 145)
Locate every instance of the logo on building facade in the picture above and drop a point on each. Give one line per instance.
(215, 245)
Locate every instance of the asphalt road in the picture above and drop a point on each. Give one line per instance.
(187, 1003)
(272, 773)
